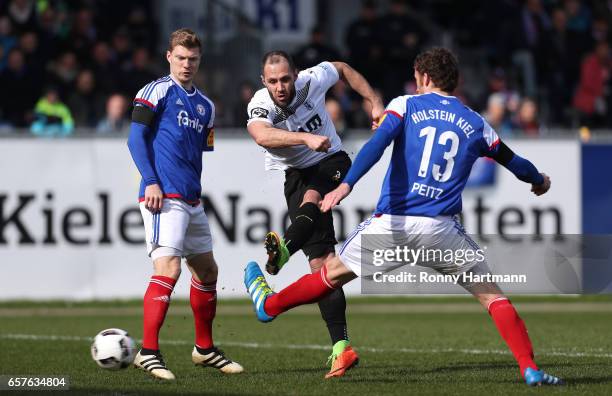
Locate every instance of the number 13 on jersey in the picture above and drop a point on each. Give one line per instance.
(430, 135)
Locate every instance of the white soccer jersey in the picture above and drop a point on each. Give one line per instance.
(305, 113)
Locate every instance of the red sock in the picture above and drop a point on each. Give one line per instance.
(156, 302)
(513, 331)
(203, 298)
(308, 289)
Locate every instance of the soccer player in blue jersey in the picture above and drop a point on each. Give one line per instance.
(436, 141)
(172, 124)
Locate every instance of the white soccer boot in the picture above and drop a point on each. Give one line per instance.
(216, 359)
(154, 365)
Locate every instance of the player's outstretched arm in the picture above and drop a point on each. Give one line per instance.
(359, 84)
(523, 169)
(137, 144)
(267, 136)
(369, 155)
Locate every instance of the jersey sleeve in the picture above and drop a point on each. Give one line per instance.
(209, 142)
(395, 108)
(490, 140)
(325, 73)
(259, 110)
(152, 96)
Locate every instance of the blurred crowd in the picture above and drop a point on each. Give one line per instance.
(527, 65)
(70, 64)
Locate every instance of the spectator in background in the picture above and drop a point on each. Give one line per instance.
(316, 51)
(562, 64)
(52, 117)
(527, 118)
(19, 91)
(52, 32)
(240, 115)
(361, 115)
(122, 49)
(85, 103)
(104, 68)
(333, 108)
(35, 62)
(7, 40)
(116, 119)
(22, 15)
(578, 16)
(498, 83)
(528, 44)
(63, 72)
(600, 31)
(83, 34)
(496, 115)
(590, 100)
(347, 102)
(364, 50)
(137, 73)
(141, 30)
(402, 37)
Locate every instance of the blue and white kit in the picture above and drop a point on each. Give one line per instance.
(436, 140)
(170, 130)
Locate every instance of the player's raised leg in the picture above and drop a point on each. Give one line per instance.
(303, 223)
(306, 290)
(167, 268)
(203, 299)
(512, 329)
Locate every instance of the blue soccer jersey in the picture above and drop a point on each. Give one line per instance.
(181, 131)
(436, 141)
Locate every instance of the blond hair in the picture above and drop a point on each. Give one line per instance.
(184, 37)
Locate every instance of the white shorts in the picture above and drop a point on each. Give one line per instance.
(179, 226)
(429, 234)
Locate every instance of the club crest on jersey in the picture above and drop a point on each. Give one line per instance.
(184, 120)
(259, 112)
(200, 109)
(308, 104)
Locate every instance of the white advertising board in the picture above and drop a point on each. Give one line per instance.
(70, 227)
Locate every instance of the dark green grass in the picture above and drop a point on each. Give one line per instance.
(432, 361)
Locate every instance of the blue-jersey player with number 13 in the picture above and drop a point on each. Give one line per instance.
(436, 140)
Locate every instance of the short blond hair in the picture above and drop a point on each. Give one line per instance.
(184, 37)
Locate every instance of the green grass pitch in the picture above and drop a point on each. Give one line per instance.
(426, 346)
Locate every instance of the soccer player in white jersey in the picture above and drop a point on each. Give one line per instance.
(436, 141)
(289, 119)
(172, 124)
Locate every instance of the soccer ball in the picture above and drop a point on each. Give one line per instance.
(113, 349)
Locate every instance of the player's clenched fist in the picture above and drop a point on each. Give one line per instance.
(378, 109)
(541, 188)
(153, 198)
(318, 143)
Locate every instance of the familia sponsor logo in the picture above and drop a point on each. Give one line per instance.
(184, 120)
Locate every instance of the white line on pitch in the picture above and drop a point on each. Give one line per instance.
(256, 345)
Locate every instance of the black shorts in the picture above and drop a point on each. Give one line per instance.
(323, 178)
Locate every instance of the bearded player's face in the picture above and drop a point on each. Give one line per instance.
(279, 79)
